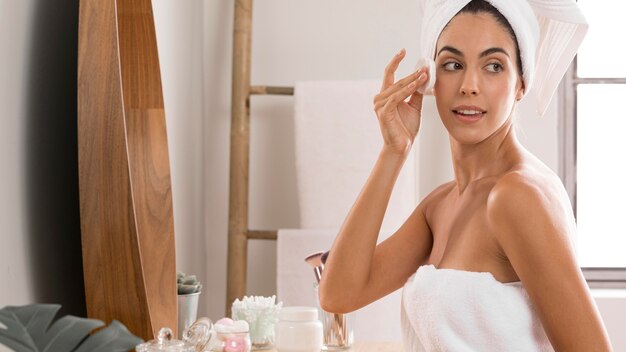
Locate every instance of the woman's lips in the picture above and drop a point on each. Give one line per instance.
(469, 116)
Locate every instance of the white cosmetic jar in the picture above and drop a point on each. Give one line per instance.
(299, 330)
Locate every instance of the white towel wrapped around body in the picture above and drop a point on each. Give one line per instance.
(458, 311)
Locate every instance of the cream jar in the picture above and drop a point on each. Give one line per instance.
(299, 330)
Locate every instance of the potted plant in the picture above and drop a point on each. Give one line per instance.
(189, 289)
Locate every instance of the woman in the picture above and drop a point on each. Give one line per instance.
(486, 260)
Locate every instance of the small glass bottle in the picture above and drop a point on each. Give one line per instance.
(299, 330)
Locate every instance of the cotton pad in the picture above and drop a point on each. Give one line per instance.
(427, 88)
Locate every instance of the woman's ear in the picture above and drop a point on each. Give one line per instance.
(520, 92)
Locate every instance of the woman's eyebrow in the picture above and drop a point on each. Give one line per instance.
(455, 51)
(493, 50)
(458, 52)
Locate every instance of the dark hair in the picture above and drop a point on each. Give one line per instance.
(478, 6)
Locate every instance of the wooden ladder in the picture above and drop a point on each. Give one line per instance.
(238, 231)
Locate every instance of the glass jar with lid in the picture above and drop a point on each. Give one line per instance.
(196, 338)
(165, 343)
(201, 336)
(299, 330)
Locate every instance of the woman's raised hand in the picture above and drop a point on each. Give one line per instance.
(400, 120)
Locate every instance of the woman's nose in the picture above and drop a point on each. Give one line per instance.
(469, 85)
(467, 90)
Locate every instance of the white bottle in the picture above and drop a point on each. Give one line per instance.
(299, 330)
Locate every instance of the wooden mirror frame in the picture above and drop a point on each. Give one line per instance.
(124, 175)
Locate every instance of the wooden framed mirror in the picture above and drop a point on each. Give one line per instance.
(124, 175)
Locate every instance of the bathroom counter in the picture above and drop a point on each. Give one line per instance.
(372, 347)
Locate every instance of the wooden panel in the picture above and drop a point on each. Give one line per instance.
(139, 59)
(124, 180)
(152, 197)
(148, 153)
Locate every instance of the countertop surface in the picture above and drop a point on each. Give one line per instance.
(372, 347)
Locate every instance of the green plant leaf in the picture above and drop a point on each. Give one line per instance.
(113, 338)
(14, 336)
(187, 289)
(29, 329)
(35, 319)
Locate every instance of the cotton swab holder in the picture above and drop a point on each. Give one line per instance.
(262, 314)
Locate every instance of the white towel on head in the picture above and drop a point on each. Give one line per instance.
(462, 311)
(548, 32)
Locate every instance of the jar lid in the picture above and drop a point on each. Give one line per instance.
(165, 342)
(298, 313)
(227, 325)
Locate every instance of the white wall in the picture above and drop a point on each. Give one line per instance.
(180, 43)
(40, 255)
(17, 287)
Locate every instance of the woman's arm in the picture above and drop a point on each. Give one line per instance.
(356, 271)
(533, 226)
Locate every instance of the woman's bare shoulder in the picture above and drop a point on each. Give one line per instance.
(530, 177)
(531, 181)
(530, 215)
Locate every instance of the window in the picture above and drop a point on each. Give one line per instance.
(593, 140)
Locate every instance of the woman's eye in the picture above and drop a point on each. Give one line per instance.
(452, 66)
(494, 67)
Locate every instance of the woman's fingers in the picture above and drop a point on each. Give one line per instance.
(399, 96)
(387, 107)
(416, 101)
(390, 70)
(400, 90)
(415, 76)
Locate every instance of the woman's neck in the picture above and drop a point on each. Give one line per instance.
(493, 156)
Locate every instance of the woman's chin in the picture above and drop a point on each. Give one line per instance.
(470, 130)
(467, 136)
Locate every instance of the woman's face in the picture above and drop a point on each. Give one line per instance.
(477, 78)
